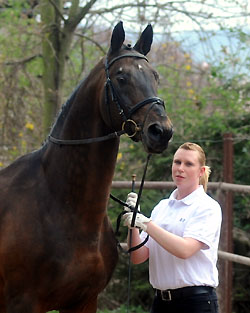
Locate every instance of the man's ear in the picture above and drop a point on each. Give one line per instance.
(202, 171)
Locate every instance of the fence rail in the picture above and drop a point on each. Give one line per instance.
(169, 185)
(236, 258)
(212, 185)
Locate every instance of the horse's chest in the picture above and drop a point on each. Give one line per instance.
(82, 258)
(74, 279)
(82, 267)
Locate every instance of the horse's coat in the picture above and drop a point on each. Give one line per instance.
(57, 248)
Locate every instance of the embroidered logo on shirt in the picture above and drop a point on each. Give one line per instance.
(182, 219)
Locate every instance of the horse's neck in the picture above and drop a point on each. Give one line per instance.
(80, 117)
(81, 170)
(81, 177)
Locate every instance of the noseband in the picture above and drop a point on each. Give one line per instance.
(123, 110)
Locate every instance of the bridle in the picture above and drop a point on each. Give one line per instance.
(123, 110)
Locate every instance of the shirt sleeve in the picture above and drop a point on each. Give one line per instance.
(143, 236)
(205, 224)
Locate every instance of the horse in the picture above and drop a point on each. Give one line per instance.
(57, 246)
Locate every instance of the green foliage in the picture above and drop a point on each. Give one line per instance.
(20, 88)
(123, 309)
(202, 104)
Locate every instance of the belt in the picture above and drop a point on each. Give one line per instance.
(172, 294)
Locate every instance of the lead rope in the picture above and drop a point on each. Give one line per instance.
(133, 224)
(129, 258)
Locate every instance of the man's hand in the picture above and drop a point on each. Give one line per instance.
(131, 201)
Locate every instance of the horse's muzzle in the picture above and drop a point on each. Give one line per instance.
(155, 139)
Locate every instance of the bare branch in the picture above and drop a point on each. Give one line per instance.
(91, 40)
(57, 10)
(23, 61)
(73, 21)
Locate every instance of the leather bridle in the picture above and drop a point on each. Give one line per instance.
(123, 110)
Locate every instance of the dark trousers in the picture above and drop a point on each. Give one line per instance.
(199, 303)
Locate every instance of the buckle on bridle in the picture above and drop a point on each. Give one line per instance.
(137, 128)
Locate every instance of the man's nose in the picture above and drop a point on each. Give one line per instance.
(181, 167)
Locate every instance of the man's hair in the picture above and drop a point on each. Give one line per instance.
(202, 159)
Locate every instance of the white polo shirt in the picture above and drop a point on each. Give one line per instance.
(197, 216)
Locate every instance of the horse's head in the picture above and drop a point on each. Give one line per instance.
(131, 92)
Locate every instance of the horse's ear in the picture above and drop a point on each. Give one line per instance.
(144, 43)
(118, 37)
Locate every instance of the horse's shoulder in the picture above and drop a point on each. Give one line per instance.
(21, 170)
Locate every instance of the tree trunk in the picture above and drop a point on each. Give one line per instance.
(58, 32)
(53, 65)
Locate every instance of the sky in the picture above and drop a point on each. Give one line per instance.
(227, 10)
(230, 14)
(184, 28)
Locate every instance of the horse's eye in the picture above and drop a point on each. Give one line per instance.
(121, 79)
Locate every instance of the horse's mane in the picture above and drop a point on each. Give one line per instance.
(66, 106)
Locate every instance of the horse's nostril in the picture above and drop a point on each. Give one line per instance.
(155, 130)
(159, 134)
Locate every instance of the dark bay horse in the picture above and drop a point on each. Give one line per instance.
(57, 247)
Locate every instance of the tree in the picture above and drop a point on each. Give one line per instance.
(58, 33)
(60, 19)
(202, 99)
(62, 23)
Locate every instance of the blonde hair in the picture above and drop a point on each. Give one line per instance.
(202, 159)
